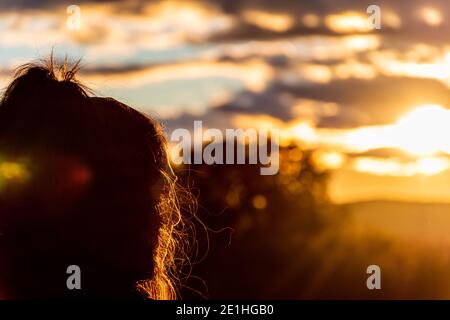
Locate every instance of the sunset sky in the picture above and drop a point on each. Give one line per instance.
(372, 103)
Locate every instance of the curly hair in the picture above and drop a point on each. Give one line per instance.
(116, 155)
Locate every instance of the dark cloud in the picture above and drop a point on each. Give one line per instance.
(361, 102)
(245, 31)
(405, 9)
(378, 101)
(39, 4)
(269, 102)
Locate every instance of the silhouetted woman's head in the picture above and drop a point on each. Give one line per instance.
(83, 181)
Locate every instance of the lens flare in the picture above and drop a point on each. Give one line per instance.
(431, 16)
(13, 171)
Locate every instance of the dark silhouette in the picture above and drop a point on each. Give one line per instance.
(83, 181)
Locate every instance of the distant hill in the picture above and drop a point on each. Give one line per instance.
(415, 222)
